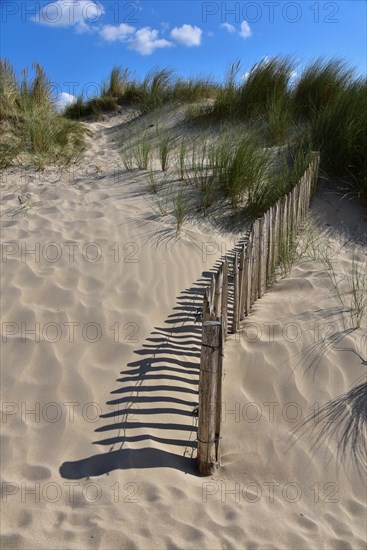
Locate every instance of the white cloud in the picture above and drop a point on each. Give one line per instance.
(187, 35)
(111, 33)
(245, 31)
(68, 13)
(228, 27)
(143, 41)
(293, 75)
(146, 40)
(62, 100)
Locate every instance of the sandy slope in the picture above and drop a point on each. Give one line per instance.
(108, 451)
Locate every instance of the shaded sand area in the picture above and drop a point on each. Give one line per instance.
(99, 402)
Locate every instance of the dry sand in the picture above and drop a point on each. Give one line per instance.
(99, 425)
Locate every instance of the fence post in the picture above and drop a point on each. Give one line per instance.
(207, 307)
(235, 295)
(209, 365)
(315, 169)
(289, 219)
(225, 299)
(276, 236)
(248, 270)
(212, 291)
(255, 263)
(269, 259)
(282, 234)
(304, 201)
(218, 293)
(218, 408)
(261, 257)
(241, 283)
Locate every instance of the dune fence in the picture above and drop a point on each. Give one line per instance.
(239, 281)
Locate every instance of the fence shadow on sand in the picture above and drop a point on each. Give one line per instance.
(152, 418)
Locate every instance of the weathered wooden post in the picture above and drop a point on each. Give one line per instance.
(255, 262)
(207, 306)
(282, 233)
(311, 175)
(261, 256)
(286, 239)
(304, 200)
(208, 382)
(294, 208)
(252, 266)
(289, 221)
(218, 408)
(241, 283)
(299, 202)
(225, 299)
(315, 170)
(235, 294)
(276, 235)
(248, 270)
(269, 262)
(218, 293)
(212, 291)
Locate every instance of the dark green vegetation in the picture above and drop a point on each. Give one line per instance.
(157, 88)
(32, 131)
(326, 106)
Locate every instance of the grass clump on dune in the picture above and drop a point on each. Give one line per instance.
(326, 101)
(266, 81)
(158, 87)
(319, 86)
(107, 100)
(243, 168)
(248, 98)
(155, 89)
(277, 119)
(142, 153)
(231, 166)
(90, 108)
(340, 133)
(32, 129)
(165, 149)
(193, 89)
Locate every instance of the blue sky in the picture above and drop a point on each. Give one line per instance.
(78, 41)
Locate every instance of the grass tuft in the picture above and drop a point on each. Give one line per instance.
(165, 147)
(32, 129)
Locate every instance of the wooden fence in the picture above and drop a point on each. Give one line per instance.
(236, 285)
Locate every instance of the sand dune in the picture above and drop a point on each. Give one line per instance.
(100, 372)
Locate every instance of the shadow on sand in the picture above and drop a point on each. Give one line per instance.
(156, 400)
